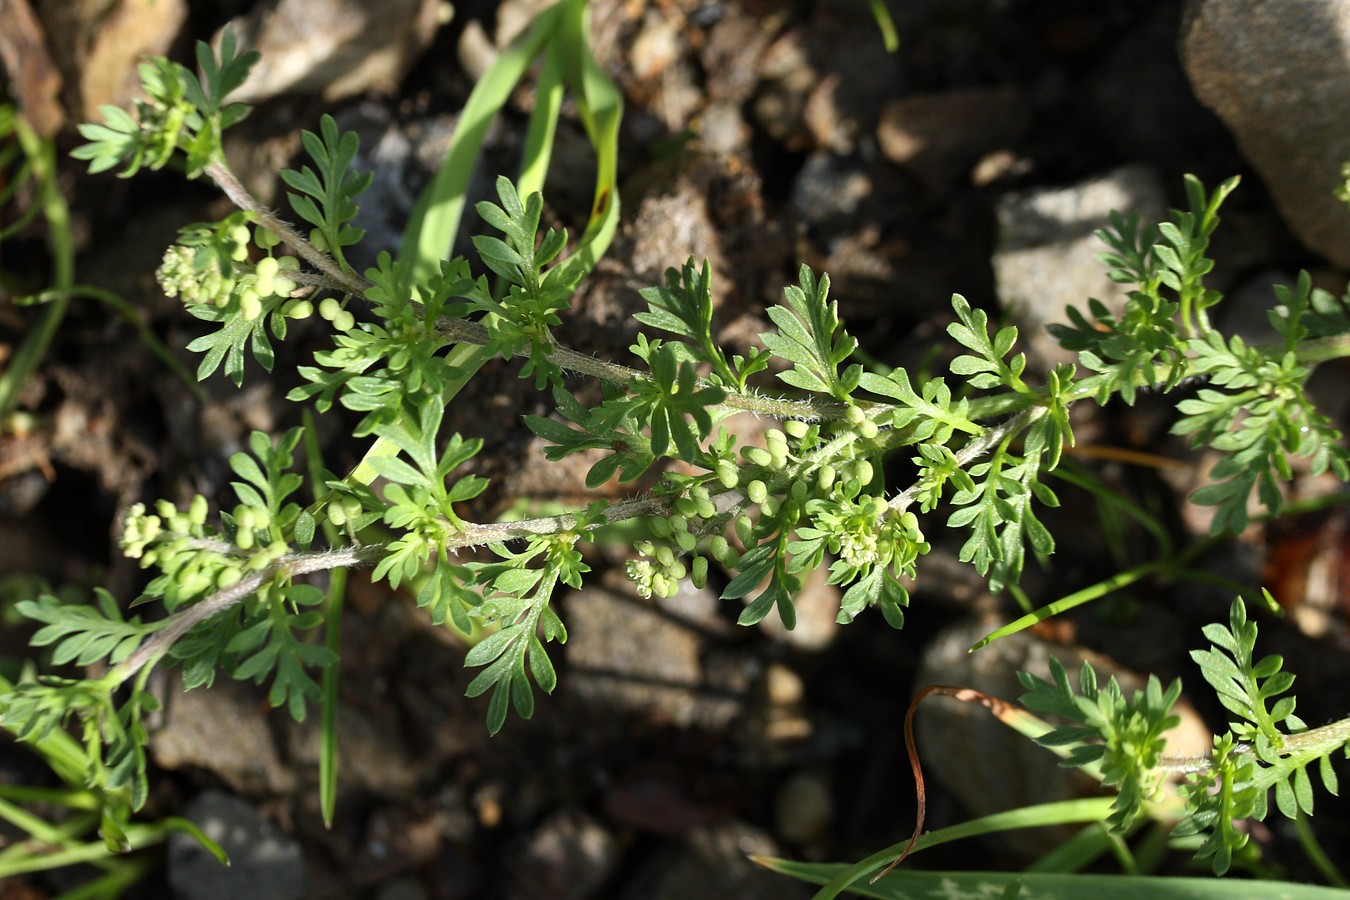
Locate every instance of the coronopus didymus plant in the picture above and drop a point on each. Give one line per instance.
(234, 585)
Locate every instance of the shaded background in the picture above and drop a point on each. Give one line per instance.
(977, 159)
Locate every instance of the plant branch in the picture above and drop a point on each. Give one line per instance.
(464, 331)
(296, 564)
(974, 449)
(239, 195)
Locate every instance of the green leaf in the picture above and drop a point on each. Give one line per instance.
(811, 337)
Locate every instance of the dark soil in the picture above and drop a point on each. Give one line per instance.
(757, 144)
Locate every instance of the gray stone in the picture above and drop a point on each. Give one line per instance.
(1277, 72)
(264, 863)
(332, 47)
(224, 729)
(984, 764)
(714, 861)
(371, 757)
(631, 656)
(1047, 250)
(568, 857)
(940, 136)
(98, 45)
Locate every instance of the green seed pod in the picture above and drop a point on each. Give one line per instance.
(264, 238)
(718, 546)
(770, 506)
(677, 571)
(336, 514)
(266, 268)
(646, 548)
(727, 473)
(665, 556)
(868, 429)
(239, 234)
(329, 307)
(825, 476)
(228, 577)
(318, 240)
(757, 455)
(244, 539)
(197, 511)
(299, 309)
(699, 575)
(797, 428)
(344, 321)
(659, 526)
(798, 492)
(165, 508)
(863, 471)
(776, 441)
(745, 529)
(686, 507)
(250, 305)
(733, 559)
(686, 541)
(679, 523)
(757, 491)
(351, 506)
(706, 508)
(855, 416)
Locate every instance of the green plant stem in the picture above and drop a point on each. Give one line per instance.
(1316, 854)
(1320, 350)
(975, 449)
(123, 308)
(467, 332)
(294, 565)
(41, 155)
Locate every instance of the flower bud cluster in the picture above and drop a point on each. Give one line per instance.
(208, 266)
(177, 543)
(657, 572)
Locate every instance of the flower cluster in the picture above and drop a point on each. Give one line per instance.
(192, 561)
(209, 266)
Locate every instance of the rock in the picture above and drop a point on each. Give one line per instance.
(222, 729)
(1046, 257)
(713, 861)
(568, 857)
(629, 656)
(804, 808)
(264, 863)
(986, 765)
(333, 48)
(829, 191)
(33, 78)
(939, 137)
(1275, 71)
(370, 758)
(99, 43)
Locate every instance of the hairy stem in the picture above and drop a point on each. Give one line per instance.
(974, 449)
(463, 331)
(239, 195)
(297, 564)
